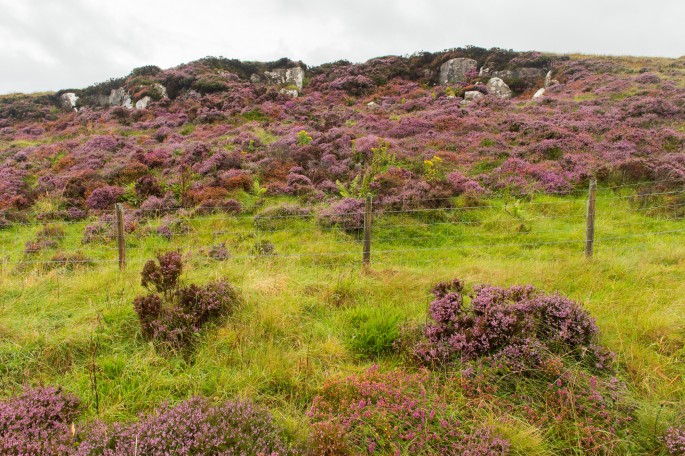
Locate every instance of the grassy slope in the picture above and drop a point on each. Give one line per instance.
(294, 327)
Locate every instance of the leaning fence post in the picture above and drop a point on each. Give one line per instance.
(121, 235)
(590, 219)
(368, 213)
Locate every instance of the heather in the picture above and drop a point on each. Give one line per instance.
(38, 422)
(173, 315)
(195, 426)
(384, 126)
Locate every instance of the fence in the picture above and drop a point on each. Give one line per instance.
(374, 234)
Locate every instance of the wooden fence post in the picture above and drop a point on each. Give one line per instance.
(590, 219)
(368, 214)
(121, 235)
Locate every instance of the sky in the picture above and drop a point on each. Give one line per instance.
(59, 44)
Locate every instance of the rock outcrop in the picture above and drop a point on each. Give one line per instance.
(524, 73)
(457, 70)
(119, 97)
(287, 76)
(498, 88)
(68, 101)
(549, 82)
(143, 102)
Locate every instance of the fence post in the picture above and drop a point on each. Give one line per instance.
(590, 219)
(121, 235)
(368, 213)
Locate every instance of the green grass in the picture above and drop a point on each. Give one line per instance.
(311, 311)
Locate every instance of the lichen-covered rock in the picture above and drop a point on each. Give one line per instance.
(523, 73)
(457, 70)
(539, 94)
(119, 97)
(143, 102)
(470, 97)
(289, 76)
(549, 82)
(162, 90)
(498, 88)
(291, 93)
(68, 101)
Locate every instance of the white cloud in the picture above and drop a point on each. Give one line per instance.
(74, 43)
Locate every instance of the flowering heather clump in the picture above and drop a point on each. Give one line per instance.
(219, 252)
(192, 427)
(163, 275)
(38, 422)
(498, 318)
(347, 214)
(174, 315)
(675, 441)
(394, 413)
(104, 197)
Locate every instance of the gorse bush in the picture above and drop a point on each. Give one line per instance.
(394, 413)
(38, 422)
(172, 315)
(192, 427)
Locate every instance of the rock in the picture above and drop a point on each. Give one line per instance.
(484, 72)
(372, 104)
(291, 93)
(498, 88)
(519, 73)
(143, 102)
(549, 82)
(539, 94)
(470, 97)
(289, 76)
(457, 70)
(162, 90)
(68, 101)
(119, 97)
(255, 79)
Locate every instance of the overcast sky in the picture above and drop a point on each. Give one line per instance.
(55, 44)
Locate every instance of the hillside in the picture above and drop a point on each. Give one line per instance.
(217, 125)
(244, 319)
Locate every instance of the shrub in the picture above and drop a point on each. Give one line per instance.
(394, 413)
(263, 248)
(219, 252)
(192, 427)
(172, 315)
(163, 275)
(347, 214)
(38, 422)
(675, 441)
(497, 318)
(104, 197)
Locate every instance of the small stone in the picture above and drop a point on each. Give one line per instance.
(291, 93)
(539, 94)
(470, 97)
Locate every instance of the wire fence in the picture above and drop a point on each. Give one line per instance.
(377, 234)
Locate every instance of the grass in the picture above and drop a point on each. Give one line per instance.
(311, 311)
